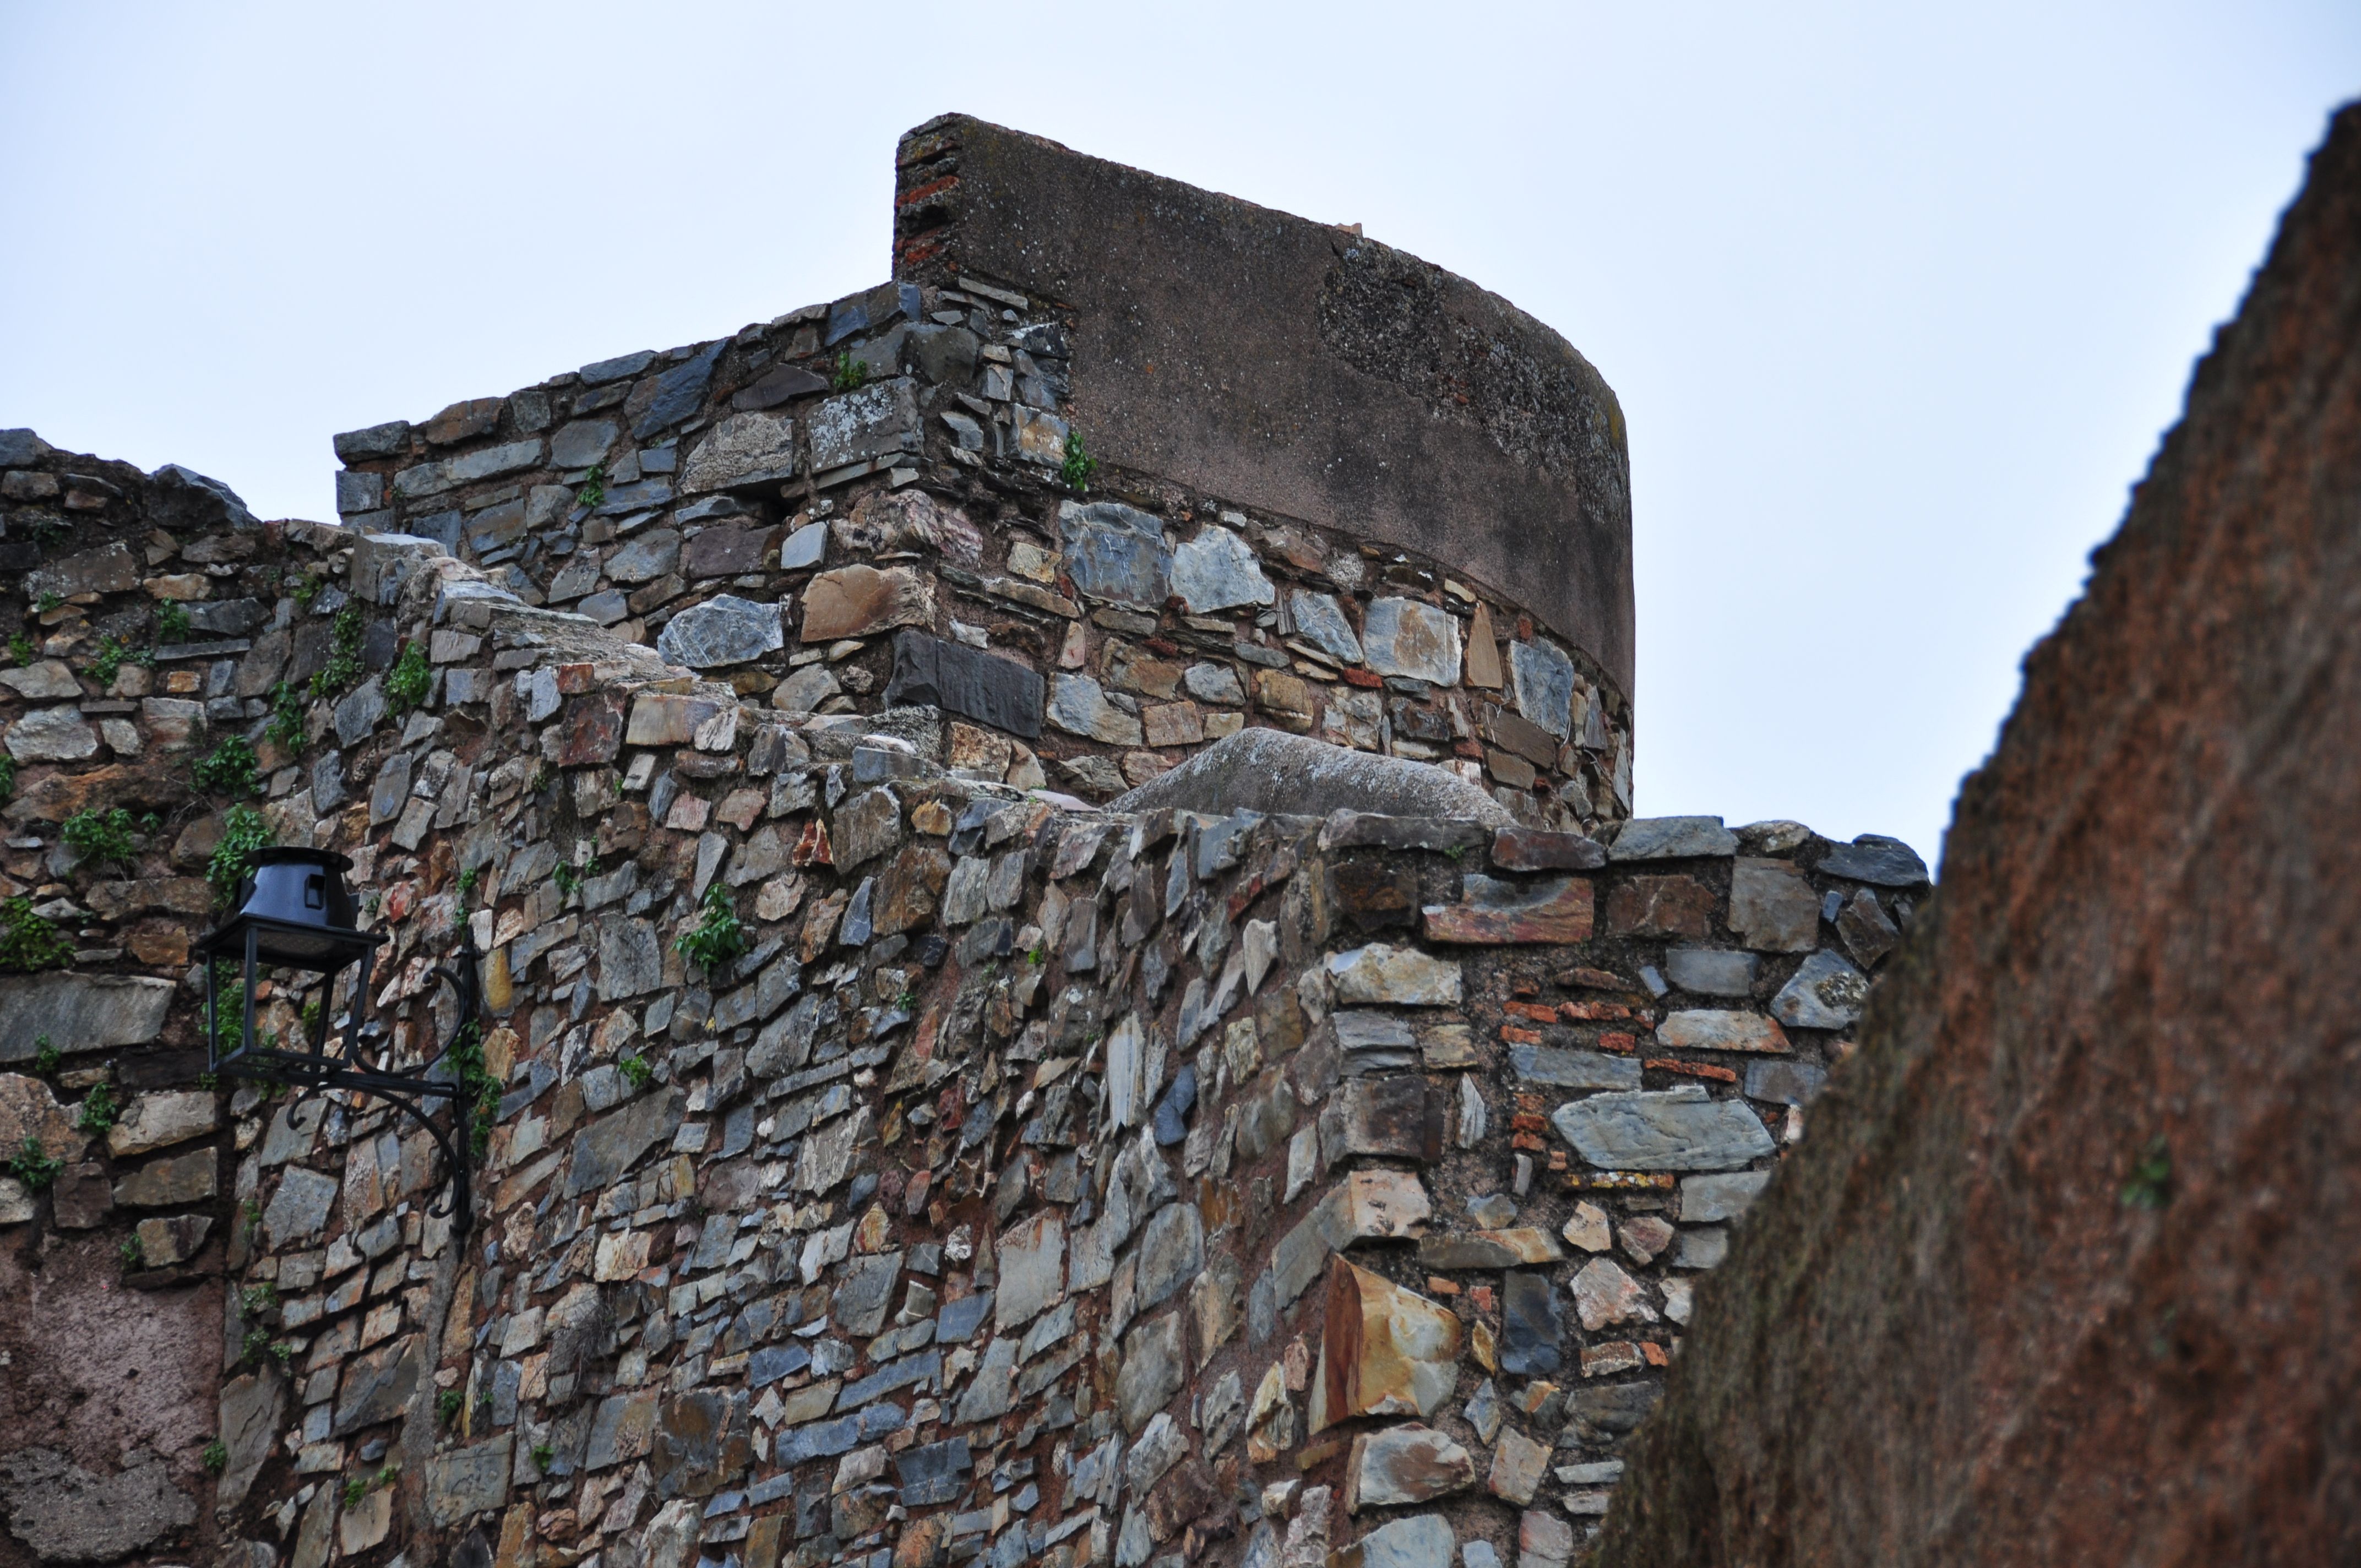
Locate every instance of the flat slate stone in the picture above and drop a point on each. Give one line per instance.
(1725, 1196)
(1572, 1070)
(1676, 1129)
(966, 681)
(1529, 1324)
(1826, 992)
(1709, 1029)
(610, 1145)
(724, 630)
(1079, 705)
(1712, 972)
(1116, 553)
(1495, 911)
(1773, 908)
(1320, 620)
(79, 1012)
(1673, 838)
(1218, 570)
(1872, 857)
(1785, 1083)
(1412, 637)
(875, 420)
(1540, 677)
(750, 448)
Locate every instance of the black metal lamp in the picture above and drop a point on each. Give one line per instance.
(294, 913)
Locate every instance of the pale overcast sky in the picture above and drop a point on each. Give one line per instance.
(1897, 298)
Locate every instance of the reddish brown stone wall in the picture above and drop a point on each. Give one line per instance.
(2068, 1272)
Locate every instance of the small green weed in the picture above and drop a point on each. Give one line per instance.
(28, 941)
(32, 1166)
(7, 776)
(303, 589)
(49, 600)
(2151, 1183)
(100, 1110)
(133, 1255)
(215, 1457)
(356, 1488)
(45, 1056)
(20, 648)
(449, 1403)
(257, 1299)
(286, 727)
(253, 1346)
(343, 670)
(717, 936)
(637, 1069)
(468, 877)
(570, 878)
(107, 661)
(593, 493)
(244, 831)
(1079, 466)
(229, 771)
(406, 683)
(544, 1456)
(101, 836)
(172, 621)
(849, 372)
(478, 1090)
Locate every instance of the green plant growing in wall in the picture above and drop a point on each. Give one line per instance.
(255, 1299)
(133, 1255)
(544, 1456)
(7, 776)
(253, 1346)
(449, 1403)
(215, 1457)
(102, 837)
(303, 589)
(107, 661)
(343, 670)
(48, 600)
(45, 1056)
(406, 683)
(28, 941)
(285, 729)
(717, 936)
(469, 876)
(100, 1110)
(172, 621)
(32, 1166)
(2151, 1183)
(478, 1090)
(356, 1488)
(20, 648)
(244, 831)
(636, 1068)
(230, 770)
(1079, 466)
(848, 373)
(593, 493)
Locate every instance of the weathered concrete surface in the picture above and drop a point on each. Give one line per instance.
(107, 1397)
(1961, 1326)
(1365, 390)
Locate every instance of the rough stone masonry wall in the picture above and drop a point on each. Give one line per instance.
(1040, 1185)
(830, 548)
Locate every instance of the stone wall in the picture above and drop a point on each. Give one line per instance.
(1038, 1184)
(869, 502)
(147, 621)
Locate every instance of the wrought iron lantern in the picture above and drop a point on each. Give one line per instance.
(294, 913)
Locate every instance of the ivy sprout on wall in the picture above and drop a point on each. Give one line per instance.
(406, 683)
(28, 941)
(230, 770)
(717, 936)
(244, 831)
(1078, 464)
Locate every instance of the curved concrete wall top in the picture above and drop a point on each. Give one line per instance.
(1297, 366)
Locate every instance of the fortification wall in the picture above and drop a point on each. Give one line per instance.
(1038, 1184)
(871, 502)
